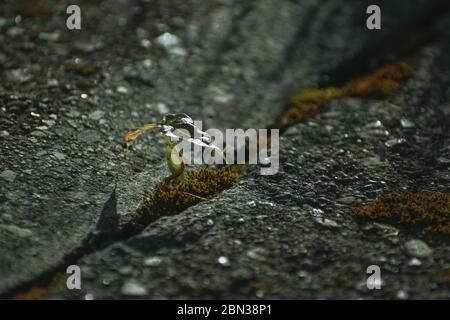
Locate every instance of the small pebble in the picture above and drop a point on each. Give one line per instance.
(131, 288)
(223, 261)
(122, 90)
(418, 248)
(8, 175)
(152, 261)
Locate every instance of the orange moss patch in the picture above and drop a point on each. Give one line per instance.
(80, 69)
(36, 8)
(442, 275)
(262, 284)
(429, 210)
(197, 186)
(38, 293)
(385, 81)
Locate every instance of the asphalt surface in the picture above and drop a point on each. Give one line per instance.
(67, 98)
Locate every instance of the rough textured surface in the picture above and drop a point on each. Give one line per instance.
(67, 97)
(291, 235)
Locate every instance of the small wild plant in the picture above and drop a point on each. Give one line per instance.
(174, 127)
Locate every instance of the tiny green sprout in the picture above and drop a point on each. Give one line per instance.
(174, 127)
